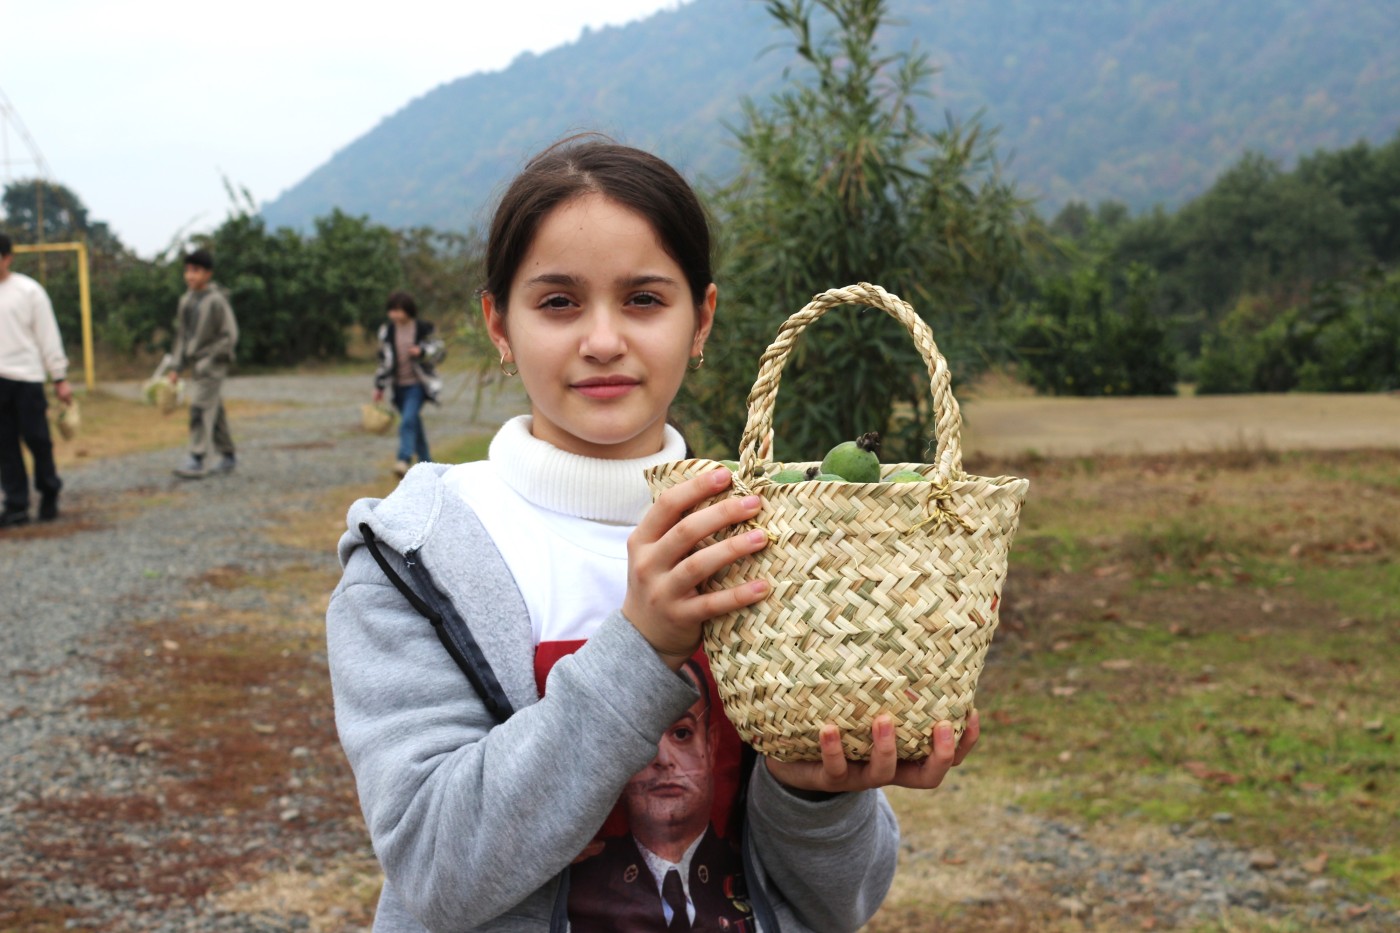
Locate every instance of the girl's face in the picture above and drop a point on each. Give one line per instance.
(601, 326)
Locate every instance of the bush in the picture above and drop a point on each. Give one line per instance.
(1077, 338)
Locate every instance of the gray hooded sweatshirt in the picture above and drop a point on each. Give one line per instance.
(475, 823)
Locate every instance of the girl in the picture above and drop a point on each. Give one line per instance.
(587, 743)
(408, 355)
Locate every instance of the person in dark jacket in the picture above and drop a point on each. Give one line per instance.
(408, 356)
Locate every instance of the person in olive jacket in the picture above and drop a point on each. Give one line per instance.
(206, 333)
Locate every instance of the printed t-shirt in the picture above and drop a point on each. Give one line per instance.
(571, 574)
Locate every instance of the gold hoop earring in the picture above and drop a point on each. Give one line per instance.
(514, 369)
(696, 362)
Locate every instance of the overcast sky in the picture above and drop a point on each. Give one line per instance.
(143, 107)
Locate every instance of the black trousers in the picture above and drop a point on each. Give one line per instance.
(23, 410)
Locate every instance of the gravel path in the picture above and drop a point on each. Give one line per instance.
(65, 598)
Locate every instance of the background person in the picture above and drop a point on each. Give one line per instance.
(30, 347)
(580, 592)
(408, 356)
(206, 334)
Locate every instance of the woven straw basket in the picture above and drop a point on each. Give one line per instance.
(376, 418)
(884, 595)
(69, 420)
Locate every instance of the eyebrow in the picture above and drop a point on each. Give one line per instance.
(565, 280)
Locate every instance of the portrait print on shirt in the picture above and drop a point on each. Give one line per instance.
(668, 857)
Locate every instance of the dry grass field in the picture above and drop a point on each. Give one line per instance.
(1198, 643)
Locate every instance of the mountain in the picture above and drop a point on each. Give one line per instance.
(1142, 101)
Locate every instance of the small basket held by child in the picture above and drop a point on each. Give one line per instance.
(884, 595)
(376, 417)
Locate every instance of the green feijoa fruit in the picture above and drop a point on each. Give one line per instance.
(905, 476)
(829, 478)
(788, 476)
(731, 465)
(856, 461)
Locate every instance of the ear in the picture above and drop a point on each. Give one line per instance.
(495, 323)
(705, 319)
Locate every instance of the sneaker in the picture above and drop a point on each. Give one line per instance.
(12, 518)
(48, 507)
(192, 468)
(226, 464)
(400, 468)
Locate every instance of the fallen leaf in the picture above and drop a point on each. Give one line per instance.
(1065, 691)
(1316, 865)
(1302, 699)
(263, 728)
(1374, 725)
(169, 645)
(1116, 664)
(1204, 772)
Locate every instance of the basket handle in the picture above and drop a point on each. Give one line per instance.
(947, 419)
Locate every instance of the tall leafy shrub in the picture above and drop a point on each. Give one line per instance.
(841, 184)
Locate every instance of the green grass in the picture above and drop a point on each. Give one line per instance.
(1203, 641)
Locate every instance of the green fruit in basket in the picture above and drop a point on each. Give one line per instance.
(855, 461)
(905, 476)
(731, 465)
(829, 478)
(789, 475)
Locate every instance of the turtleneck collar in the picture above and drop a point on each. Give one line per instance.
(613, 491)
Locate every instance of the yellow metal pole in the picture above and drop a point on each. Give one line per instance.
(85, 305)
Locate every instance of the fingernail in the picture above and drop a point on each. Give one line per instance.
(719, 477)
(757, 537)
(751, 502)
(758, 587)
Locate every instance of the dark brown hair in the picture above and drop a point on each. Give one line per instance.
(591, 164)
(404, 302)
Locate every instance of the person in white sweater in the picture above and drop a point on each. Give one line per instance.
(484, 780)
(30, 351)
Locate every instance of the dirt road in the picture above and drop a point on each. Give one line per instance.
(1057, 427)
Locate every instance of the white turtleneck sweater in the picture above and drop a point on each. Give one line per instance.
(561, 523)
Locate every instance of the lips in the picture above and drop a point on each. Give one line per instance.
(606, 387)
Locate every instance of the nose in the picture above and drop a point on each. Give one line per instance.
(603, 340)
(665, 755)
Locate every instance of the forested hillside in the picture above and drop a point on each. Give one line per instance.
(1141, 101)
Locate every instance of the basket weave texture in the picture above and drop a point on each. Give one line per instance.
(69, 420)
(376, 418)
(884, 595)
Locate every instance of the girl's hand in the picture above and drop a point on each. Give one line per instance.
(663, 599)
(834, 773)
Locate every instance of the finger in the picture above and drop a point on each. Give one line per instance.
(677, 547)
(834, 764)
(969, 738)
(671, 505)
(884, 758)
(707, 561)
(707, 606)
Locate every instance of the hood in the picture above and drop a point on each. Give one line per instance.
(403, 519)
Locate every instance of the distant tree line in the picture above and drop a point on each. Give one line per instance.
(298, 297)
(1272, 280)
(1269, 281)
